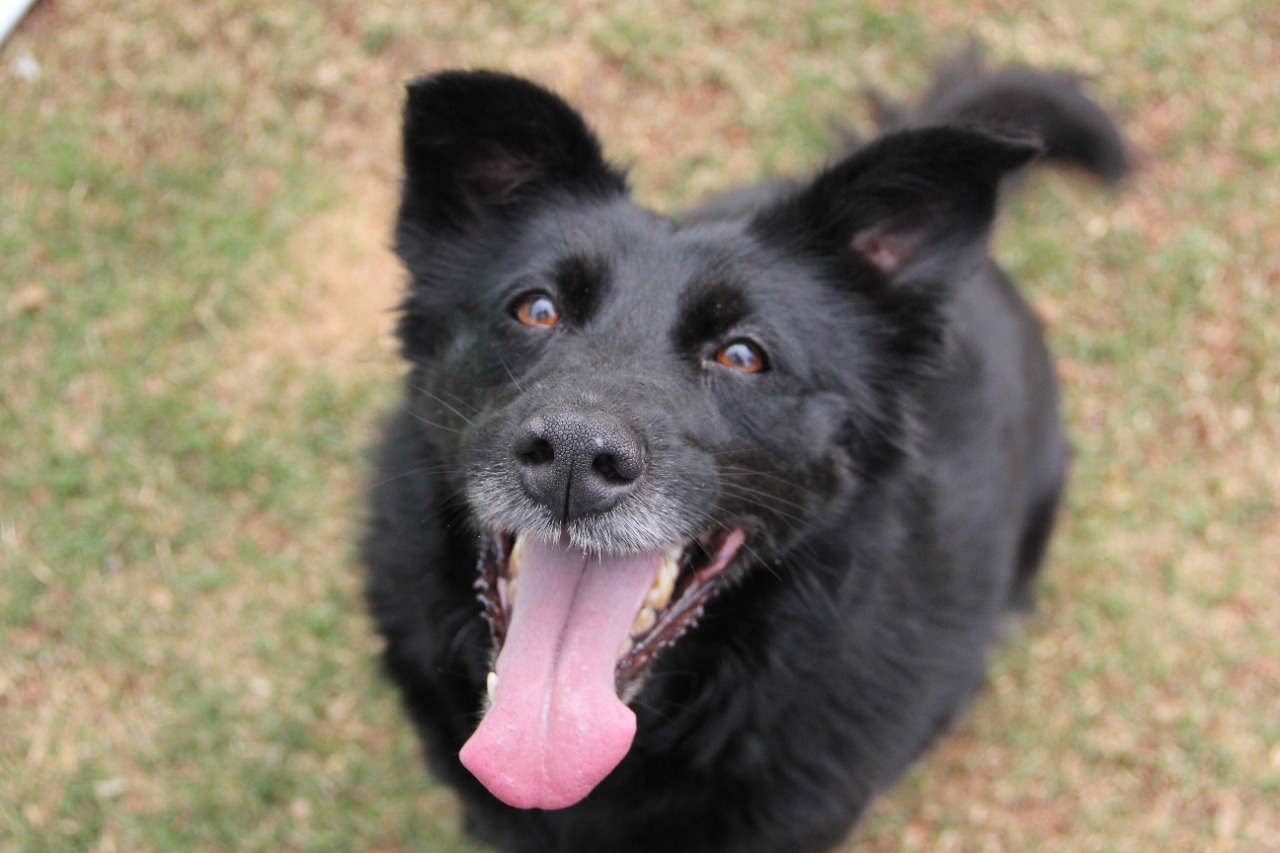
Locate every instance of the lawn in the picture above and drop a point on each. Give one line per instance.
(195, 295)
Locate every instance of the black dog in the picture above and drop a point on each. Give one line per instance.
(693, 532)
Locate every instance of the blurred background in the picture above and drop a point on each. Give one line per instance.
(195, 305)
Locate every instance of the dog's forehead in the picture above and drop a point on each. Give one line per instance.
(641, 283)
(644, 259)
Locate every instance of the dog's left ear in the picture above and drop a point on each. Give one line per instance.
(480, 145)
(913, 207)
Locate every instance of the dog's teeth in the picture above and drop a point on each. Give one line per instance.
(511, 592)
(660, 592)
(625, 647)
(491, 685)
(516, 558)
(644, 621)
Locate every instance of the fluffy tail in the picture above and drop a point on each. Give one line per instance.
(1048, 105)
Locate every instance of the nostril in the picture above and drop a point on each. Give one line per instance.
(606, 465)
(620, 464)
(535, 451)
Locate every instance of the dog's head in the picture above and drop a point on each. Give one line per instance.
(641, 412)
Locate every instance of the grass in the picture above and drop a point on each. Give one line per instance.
(194, 212)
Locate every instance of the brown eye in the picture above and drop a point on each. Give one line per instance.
(537, 309)
(742, 355)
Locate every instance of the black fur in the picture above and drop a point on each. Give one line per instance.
(1050, 105)
(896, 466)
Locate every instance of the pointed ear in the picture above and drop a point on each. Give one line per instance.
(914, 206)
(479, 144)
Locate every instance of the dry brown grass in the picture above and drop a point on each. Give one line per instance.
(1141, 710)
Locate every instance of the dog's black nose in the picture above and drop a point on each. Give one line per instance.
(577, 463)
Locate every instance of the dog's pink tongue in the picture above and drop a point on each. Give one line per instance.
(556, 726)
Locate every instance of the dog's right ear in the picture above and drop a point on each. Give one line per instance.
(479, 146)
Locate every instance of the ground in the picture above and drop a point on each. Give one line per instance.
(195, 295)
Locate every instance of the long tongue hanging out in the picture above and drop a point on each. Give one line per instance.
(556, 727)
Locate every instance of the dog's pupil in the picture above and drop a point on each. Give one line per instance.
(741, 355)
(538, 310)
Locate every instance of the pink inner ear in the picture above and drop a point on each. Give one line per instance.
(883, 250)
(497, 173)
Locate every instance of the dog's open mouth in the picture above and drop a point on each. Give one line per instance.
(685, 581)
(575, 634)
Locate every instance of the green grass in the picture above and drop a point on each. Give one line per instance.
(194, 212)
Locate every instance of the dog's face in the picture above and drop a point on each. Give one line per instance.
(640, 412)
(649, 385)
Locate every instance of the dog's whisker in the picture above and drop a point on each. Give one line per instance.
(510, 375)
(441, 401)
(411, 472)
(768, 500)
(793, 481)
(409, 411)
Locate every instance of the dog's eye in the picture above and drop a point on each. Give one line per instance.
(743, 355)
(537, 309)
